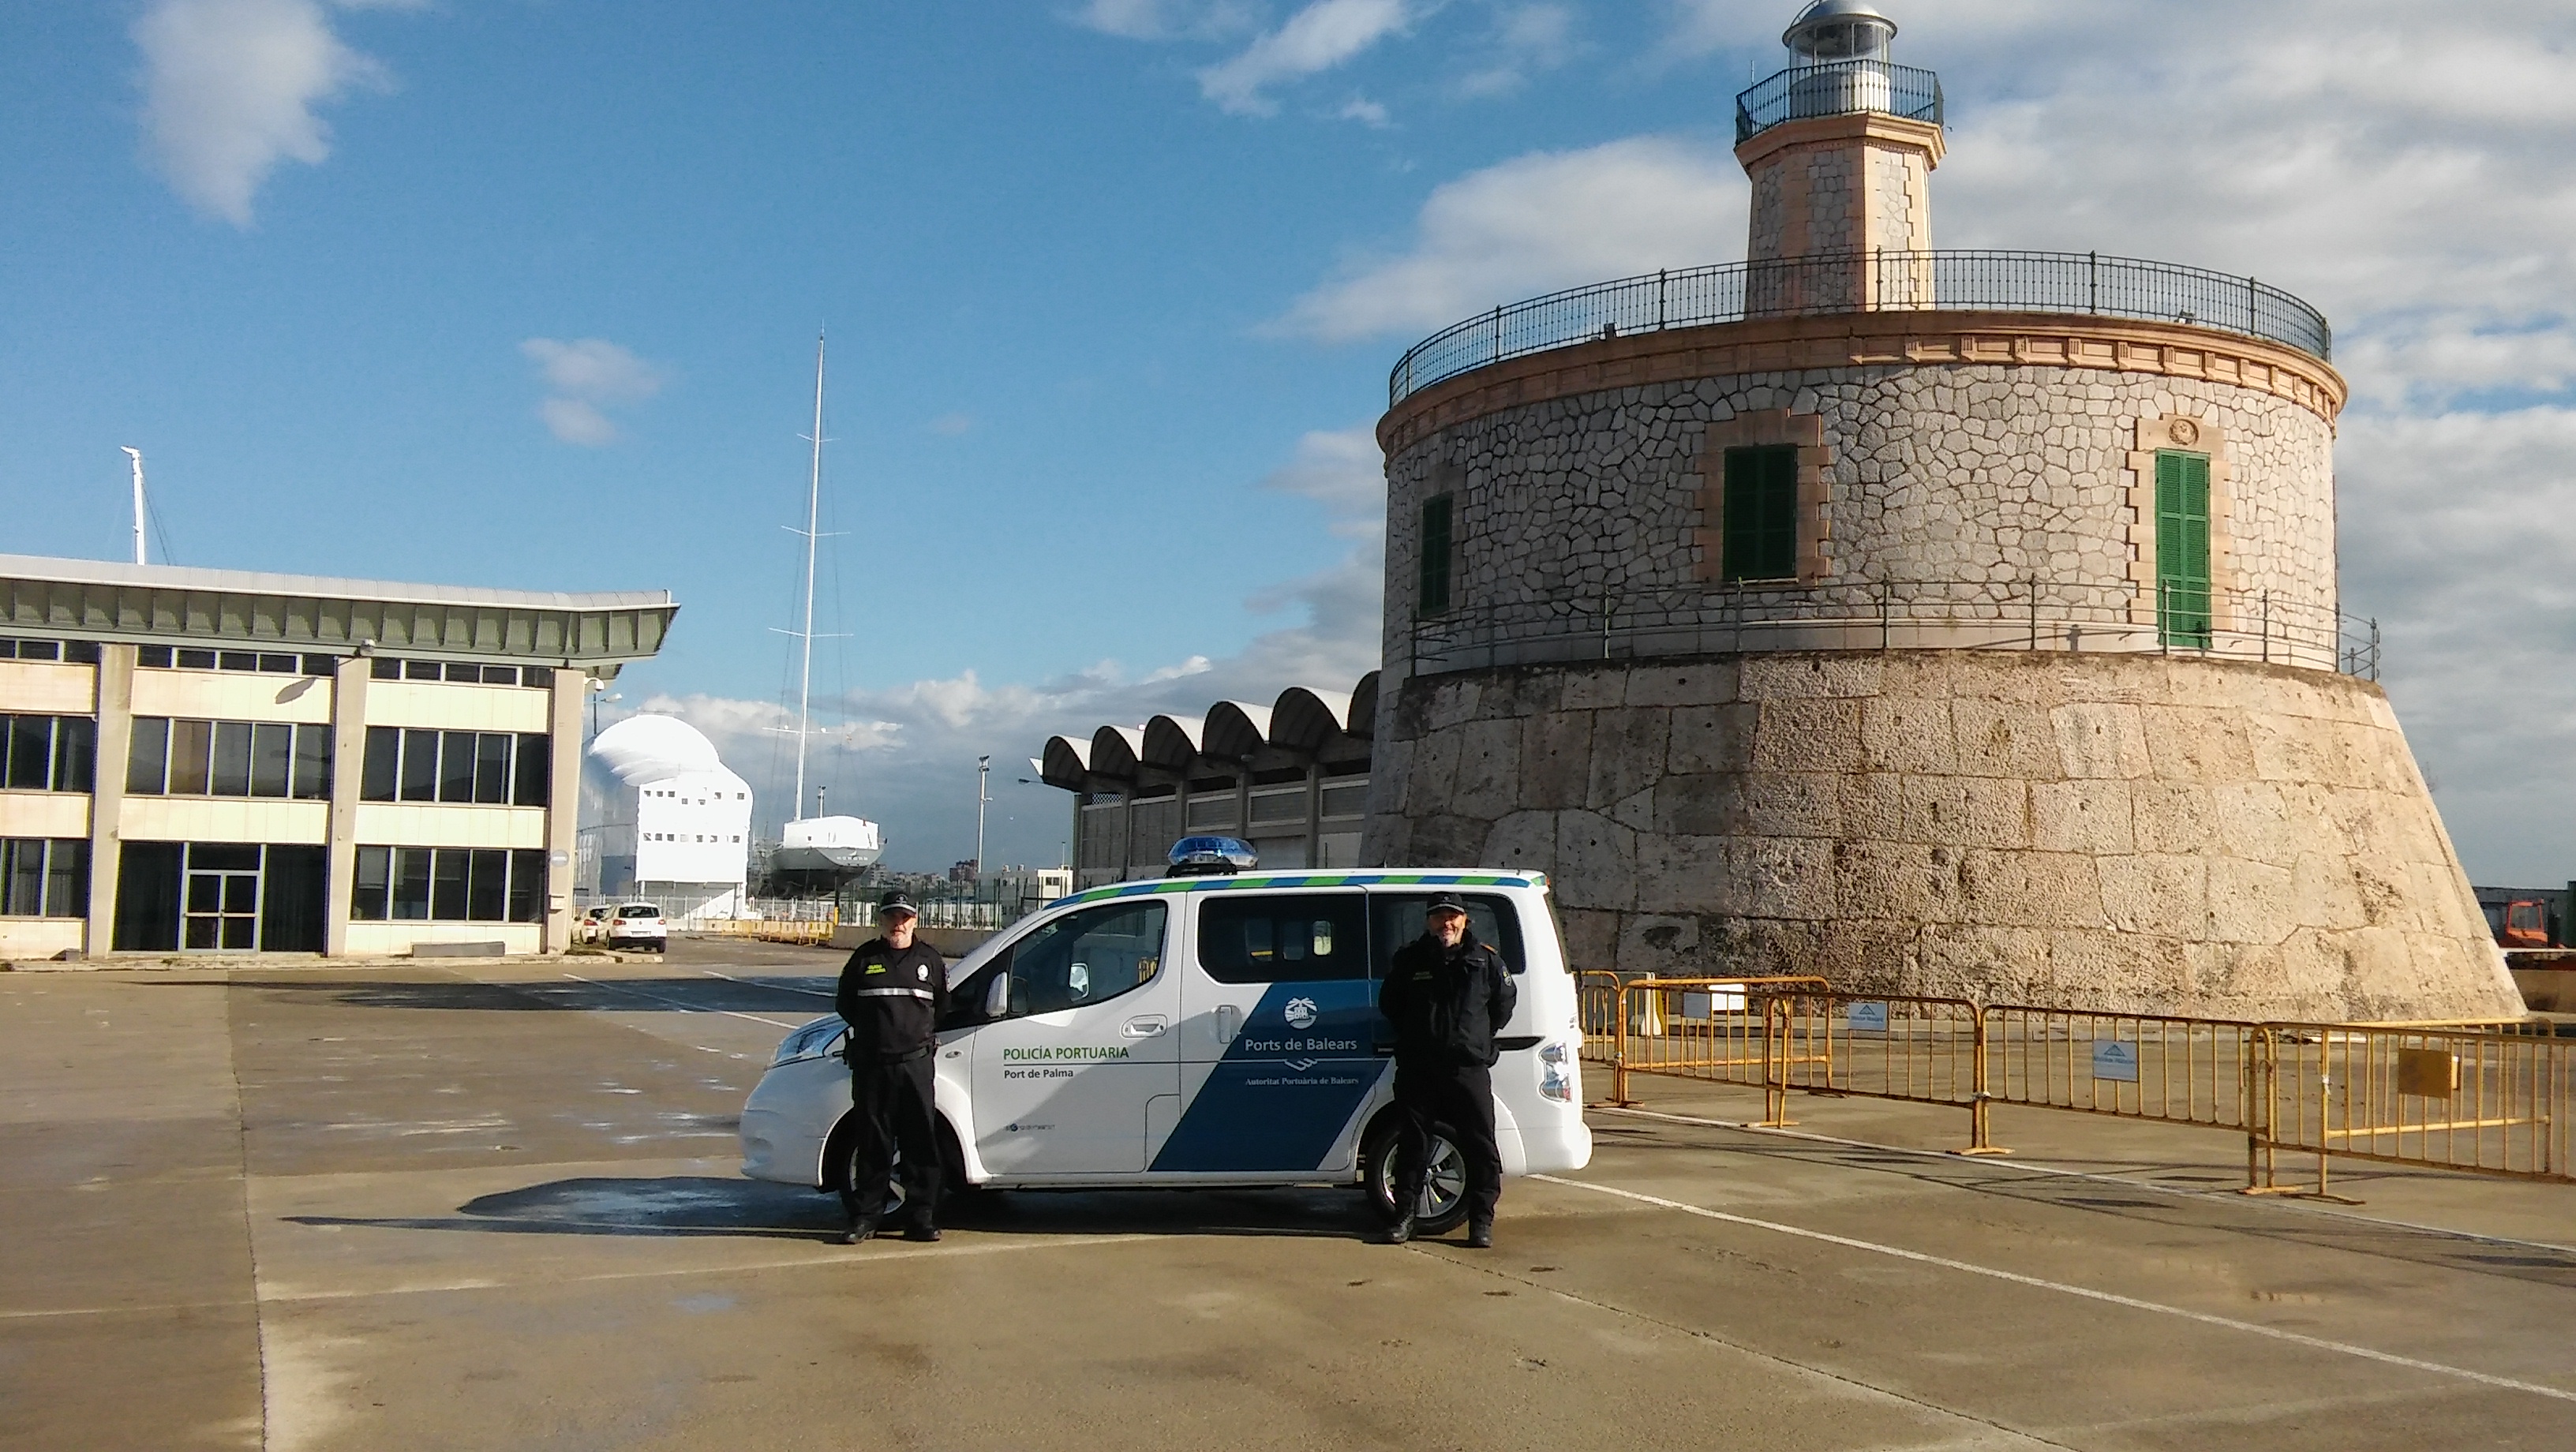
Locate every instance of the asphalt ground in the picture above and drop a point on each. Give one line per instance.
(497, 1205)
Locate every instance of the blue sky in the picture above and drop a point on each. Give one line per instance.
(523, 292)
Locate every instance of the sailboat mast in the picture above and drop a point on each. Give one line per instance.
(813, 520)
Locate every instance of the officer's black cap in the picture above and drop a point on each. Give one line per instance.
(895, 902)
(1446, 902)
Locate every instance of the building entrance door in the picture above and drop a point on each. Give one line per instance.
(222, 904)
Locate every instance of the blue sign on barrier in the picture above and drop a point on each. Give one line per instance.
(1866, 1018)
(2115, 1060)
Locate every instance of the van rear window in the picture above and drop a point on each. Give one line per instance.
(1491, 920)
(1286, 938)
(639, 912)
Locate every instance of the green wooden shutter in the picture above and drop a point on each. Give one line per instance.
(2182, 548)
(1434, 596)
(1760, 537)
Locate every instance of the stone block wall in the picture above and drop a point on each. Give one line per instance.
(2127, 832)
(1980, 476)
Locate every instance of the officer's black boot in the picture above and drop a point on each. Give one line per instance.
(1399, 1230)
(921, 1230)
(862, 1227)
(1480, 1234)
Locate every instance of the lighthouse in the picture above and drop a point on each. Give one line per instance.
(1932, 622)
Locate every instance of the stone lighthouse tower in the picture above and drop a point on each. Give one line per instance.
(1936, 622)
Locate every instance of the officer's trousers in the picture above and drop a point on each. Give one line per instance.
(1459, 1100)
(893, 1104)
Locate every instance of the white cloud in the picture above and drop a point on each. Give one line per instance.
(585, 377)
(1535, 223)
(1343, 471)
(1362, 110)
(1526, 38)
(951, 425)
(1166, 19)
(576, 422)
(230, 88)
(1321, 36)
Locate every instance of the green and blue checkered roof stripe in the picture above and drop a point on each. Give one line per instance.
(1249, 880)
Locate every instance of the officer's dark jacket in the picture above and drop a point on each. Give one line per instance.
(893, 1000)
(1447, 1003)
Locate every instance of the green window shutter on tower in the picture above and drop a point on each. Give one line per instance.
(2182, 548)
(1760, 538)
(1433, 598)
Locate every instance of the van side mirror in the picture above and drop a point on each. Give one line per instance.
(997, 998)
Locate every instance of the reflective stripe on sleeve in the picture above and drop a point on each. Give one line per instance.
(890, 993)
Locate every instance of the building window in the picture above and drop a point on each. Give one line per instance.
(448, 885)
(270, 662)
(387, 668)
(70, 652)
(183, 758)
(1438, 549)
(1760, 540)
(2182, 548)
(43, 877)
(48, 753)
(489, 768)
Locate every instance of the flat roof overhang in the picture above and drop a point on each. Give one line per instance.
(182, 605)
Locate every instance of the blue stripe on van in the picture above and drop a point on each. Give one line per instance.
(1282, 1095)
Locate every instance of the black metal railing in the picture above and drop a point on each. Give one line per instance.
(2268, 626)
(1836, 88)
(2087, 283)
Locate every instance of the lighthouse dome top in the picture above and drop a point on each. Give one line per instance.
(1839, 30)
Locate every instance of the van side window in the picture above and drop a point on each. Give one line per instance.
(1079, 959)
(1491, 920)
(1288, 938)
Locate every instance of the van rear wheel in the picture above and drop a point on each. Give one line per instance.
(1444, 1190)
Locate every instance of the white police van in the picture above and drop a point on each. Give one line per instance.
(1202, 1030)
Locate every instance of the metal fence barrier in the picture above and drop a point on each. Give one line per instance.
(810, 931)
(1704, 1027)
(2497, 1104)
(2484, 1099)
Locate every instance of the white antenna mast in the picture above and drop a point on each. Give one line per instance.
(137, 456)
(813, 509)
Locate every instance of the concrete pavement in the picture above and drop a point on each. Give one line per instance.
(496, 1205)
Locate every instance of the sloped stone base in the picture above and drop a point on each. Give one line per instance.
(2131, 832)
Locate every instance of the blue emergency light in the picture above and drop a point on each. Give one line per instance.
(1212, 856)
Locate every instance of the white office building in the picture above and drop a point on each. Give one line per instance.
(218, 761)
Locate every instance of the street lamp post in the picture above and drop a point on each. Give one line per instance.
(983, 798)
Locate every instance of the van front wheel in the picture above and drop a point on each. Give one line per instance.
(1444, 1190)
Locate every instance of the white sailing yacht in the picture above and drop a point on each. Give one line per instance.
(824, 851)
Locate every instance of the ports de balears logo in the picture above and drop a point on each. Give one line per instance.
(1300, 1013)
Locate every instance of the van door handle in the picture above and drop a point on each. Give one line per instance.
(1145, 1026)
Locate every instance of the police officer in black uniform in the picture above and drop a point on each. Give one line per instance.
(894, 992)
(1447, 996)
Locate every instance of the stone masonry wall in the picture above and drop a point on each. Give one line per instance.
(1987, 474)
(1900, 211)
(2125, 832)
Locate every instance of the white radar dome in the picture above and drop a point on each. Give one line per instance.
(654, 748)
